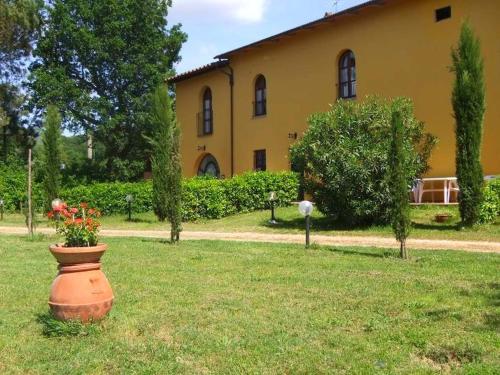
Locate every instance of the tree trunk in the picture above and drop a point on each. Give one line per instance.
(403, 250)
(30, 203)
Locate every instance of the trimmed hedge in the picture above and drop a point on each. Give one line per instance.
(14, 188)
(202, 198)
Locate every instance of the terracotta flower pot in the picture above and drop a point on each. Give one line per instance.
(80, 291)
(442, 218)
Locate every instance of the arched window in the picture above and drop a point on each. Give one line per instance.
(208, 113)
(209, 167)
(347, 75)
(260, 107)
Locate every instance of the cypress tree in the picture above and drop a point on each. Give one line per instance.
(400, 210)
(174, 180)
(468, 101)
(51, 139)
(165, 162)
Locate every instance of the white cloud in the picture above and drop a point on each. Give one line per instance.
(250, 11)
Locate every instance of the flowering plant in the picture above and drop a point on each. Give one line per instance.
(80, 225)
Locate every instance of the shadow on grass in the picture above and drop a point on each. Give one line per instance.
(491, 293)
(51, 327)
(327, 224)
(140, 221)
(321, 224)
(437, 227)
(382, 254)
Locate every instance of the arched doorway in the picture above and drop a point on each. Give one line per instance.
(209, 167)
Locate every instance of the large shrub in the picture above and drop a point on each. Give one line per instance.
(490, 206)
(344, 154)
(202, 197)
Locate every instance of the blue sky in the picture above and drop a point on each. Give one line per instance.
(216, 26)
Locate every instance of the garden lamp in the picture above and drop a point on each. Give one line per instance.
(57, 205)
(1, 209)
(272, 200)
(129, 199)
(306, 209)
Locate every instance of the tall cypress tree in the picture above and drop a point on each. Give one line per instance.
(174, 181)
(400, 215)
(165, 162)
(468, 101)
(51, 155)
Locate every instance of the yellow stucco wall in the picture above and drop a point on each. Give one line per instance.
(400, 51)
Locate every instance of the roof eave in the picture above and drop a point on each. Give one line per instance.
(306, 26)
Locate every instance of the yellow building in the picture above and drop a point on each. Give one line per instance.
(244, 111)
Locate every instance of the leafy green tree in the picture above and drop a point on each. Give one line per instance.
(469, 105)
(398, 186)
(14, 132)
(19, 22)
(51, 138)
(98, 61)
(165, 162)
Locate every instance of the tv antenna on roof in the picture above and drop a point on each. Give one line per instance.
(335, 6)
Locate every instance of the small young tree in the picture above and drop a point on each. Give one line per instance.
(165, 162)
(468, 101)
(398, 185)
(51, 155)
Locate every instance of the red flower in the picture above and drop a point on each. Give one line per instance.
(66, 213)
(78, 220)
(91, 211)
(50, 214)
(84, 205)
(74, 210)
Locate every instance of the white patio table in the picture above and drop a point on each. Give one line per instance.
(449, 184)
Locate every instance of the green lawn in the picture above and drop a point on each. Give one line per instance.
(290, 221)
(225, 308)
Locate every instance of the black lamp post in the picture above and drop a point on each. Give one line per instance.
(1, 209)
(129, 198)
(306, 209)
(272, 201)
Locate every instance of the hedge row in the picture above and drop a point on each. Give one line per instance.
(203, 198)
(13, 188)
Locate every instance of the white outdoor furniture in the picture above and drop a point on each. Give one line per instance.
(448, 185)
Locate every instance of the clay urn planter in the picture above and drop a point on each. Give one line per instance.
(442, 218)
(80, 290)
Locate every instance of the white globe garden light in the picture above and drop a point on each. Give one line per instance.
(306, 209)
(57, 204)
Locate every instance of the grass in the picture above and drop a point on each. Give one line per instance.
(225, 308)
(290, 221)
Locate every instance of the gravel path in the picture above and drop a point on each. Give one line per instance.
(369, 241)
